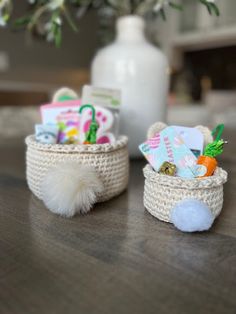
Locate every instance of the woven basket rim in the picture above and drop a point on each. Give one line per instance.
(79, 148)
(219, 178)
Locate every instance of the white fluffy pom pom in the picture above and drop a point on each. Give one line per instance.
(71, 188)
(191, 215)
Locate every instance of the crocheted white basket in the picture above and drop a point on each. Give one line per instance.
(111, 162)
(162, 192)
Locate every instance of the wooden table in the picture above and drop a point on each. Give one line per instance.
(117, 259)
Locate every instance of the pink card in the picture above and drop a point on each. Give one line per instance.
(50, 112)
(66, 115)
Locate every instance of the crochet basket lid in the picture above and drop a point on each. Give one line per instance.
(77, 148)
(219, 178)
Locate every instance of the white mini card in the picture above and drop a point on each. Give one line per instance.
(192, 137)
(104, 97)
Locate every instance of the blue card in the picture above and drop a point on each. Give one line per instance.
(169, 146)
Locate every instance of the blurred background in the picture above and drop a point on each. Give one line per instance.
(201, 53)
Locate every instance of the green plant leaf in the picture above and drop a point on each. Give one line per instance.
(58, 37)
(163, 14)
(123, 7)
(70, 20)
(211, 7)
(22, 21)
(176, 6)
(215, 9)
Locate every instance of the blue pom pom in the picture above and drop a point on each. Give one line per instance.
(191, 215)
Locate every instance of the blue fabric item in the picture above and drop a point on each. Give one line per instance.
(191, 215)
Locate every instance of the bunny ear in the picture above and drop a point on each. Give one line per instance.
(208, 138)
(155, 128)
(64, 93)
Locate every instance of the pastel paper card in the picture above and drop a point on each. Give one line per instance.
(102, 97)
(105, 138)
(105, 120)
(66, 115)
(52, 112)
(105, 98)
(68, 122)
(193, 139)
(169, 146)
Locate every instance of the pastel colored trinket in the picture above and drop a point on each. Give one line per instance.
(46, 134)
(91, 136)
(168, 146)
(168, 168)
(207, 162)
(107, 104)
(65, 116)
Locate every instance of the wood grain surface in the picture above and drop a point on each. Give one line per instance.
(117, 259)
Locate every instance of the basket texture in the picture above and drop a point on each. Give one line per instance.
(162, 192)
(111, 162)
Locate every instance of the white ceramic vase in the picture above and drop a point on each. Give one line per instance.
(140, 70)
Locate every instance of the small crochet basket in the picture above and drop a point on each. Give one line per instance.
(110, 161)
(162, 192)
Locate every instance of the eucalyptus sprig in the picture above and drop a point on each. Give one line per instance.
(211, 7)
(47, 17)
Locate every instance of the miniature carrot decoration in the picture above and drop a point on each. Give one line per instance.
(208, 160)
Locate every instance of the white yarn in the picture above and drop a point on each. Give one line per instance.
(71, 188)
(208, 138)
(155, 128)
(191, 215)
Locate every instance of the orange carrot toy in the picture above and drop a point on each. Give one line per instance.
(207, 160)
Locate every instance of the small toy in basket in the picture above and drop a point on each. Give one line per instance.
(71, 177)
(183, 184)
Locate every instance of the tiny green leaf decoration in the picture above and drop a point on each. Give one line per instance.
(55, 12)
(214, 149)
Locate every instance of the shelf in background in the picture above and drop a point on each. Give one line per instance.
(206, 38)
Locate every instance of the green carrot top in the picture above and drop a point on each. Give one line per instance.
(214, 149)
